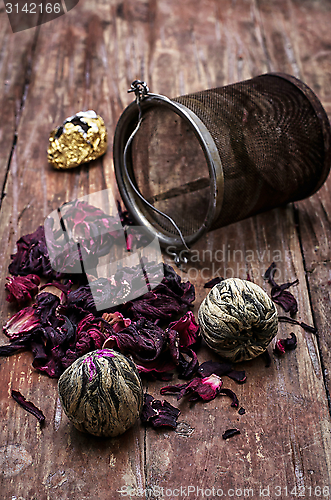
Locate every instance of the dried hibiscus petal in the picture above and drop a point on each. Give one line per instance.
(220, 369)
(159, 413)
(237, 375)
(292, 321)
(279, 293)
(283, 345)
(143, 340)
(266, 356)
(232, 395)
(14, 347)
(28, 406)
(22, 322)
(161, 369)
(187, 328)
(32, 256)
(22, 288)
(285, 299)
(46, 304)
(206, 389)
(211, 283)
(230, 432)
(209, 367)
(188, 363)
(116, 320)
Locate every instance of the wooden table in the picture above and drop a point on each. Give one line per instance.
(87, 59)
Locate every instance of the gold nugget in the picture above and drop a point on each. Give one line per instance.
(80, 139)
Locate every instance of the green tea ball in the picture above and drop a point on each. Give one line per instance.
(101, 393)
(238, 319)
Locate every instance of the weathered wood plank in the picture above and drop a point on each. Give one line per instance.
(307, 49)
(16, 56)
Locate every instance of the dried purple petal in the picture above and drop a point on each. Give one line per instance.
(117, 321)
(279, 293)
(266, 356)
(206, 389)
(22, 288)
(292, 321)
(283, 345)
(187, 367)
(232, 395)
(147, 411)
(28, 406)
(159, 413)
(209, 367)
(143, 340)
(93, 233)
(220, 369)
(269, 274)
(160, 369)
(187, 328)
(229, 433)
(22, 322)
(32, 256)
(285, 299)
(211, 283)
(46, 304)
(237, 375)
(9, 349)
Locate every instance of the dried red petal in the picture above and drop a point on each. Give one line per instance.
(232, 395)
(117, 321)
(211, 283)
(159, 413)
(230, 432)
(143, 340)
(283, 345)
(187, 328)
(28, 406)
(188, 363)
(22, 288)
(292, 321)
(22, 322)
(279, 293)
(9, 349)
(32, 256)
(206, 389)
(220, 369)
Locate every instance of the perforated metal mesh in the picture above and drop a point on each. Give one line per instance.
(273, 141)
(171, 171)
(270, 141)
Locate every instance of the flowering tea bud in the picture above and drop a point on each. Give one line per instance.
(101, 393)
(238, 319)
(80, 139)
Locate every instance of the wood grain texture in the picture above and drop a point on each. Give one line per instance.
(304, 29)
(87, 59)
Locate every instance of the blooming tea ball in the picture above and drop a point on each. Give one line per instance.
(101, 393)
(238, 319)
